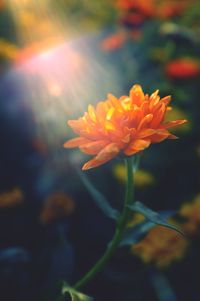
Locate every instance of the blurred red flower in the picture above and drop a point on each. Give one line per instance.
(183, 68)
(163, 9)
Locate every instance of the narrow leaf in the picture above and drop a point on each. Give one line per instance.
(74, 295)
(153, 216)
(162, 286)
(136, 233)
(99, 198)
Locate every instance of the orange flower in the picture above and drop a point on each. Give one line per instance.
(183, 68)
(161, 247)
(128, 124)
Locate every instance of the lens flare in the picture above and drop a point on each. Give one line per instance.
(60, 72)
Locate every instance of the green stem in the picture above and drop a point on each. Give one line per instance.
(121, 226)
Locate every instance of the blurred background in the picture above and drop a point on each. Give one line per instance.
(56, 57)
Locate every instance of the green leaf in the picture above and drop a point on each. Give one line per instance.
(134, 234)
(162, 286)
(99, 198)
(153, 216)
(72, 295)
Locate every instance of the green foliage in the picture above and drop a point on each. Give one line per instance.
(137, 232)
(99, 198)
(86, 14)
(71, 294)
(153, 216)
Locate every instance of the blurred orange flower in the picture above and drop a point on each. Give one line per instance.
(161, 246)
(57, 206)
(183, 68)
(128, 124)
(2, 4)
(11, 198)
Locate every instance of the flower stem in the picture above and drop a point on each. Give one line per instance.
(121, 226)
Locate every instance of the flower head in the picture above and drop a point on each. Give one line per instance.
(161, 246)
(128, 125)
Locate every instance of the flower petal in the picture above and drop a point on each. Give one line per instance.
(136, 146)
(158, 116)
(75, 142)
(93, 147)
(145, 133)
(92, 113)
(105, 155)
(145, 121)
(115, 102)
(173, 123)
(159, 136)
(166, 100)
(137, 95)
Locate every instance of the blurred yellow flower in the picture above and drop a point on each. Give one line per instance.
(56, 207)
(161, 246)
(191, 211)
(136, 219)
(11, 198)
(142, 178)
(8, 50)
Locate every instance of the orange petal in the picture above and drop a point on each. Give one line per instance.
(159, 136)
(145, 133)
(91, 113)
(115, 102)
(172, 137)
(174, 123)
(136, 146)
(166, 100)
(75, 142)
(145, 107)
(137, 95)
(158, 116)
(105, 155)
(154, 95)
(136, 116)
(101, 111)
(76, 125)
(93, 147)
(145, 121)
(154, 99)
